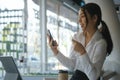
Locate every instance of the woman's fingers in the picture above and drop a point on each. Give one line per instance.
(78, 47)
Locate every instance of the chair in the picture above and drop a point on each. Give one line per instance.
(106, 75)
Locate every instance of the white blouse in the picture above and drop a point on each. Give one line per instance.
(90, 63)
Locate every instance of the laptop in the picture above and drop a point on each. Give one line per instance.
(12, 72)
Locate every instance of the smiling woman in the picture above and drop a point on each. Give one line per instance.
(21, 37)
(89, 48)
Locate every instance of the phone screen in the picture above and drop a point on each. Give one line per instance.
(49, 34)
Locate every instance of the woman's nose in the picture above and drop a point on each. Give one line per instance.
(80, 20)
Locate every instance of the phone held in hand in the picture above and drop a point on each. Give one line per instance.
(50, 35)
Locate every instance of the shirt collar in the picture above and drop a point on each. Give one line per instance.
(97, 36)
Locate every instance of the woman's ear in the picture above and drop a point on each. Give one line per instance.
(95, 18)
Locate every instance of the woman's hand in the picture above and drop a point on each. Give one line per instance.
(78, 47)
(53, 45)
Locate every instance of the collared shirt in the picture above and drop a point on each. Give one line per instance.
(92, 61)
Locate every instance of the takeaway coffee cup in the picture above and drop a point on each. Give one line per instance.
(63, 75)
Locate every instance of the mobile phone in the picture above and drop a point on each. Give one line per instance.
(49, 34)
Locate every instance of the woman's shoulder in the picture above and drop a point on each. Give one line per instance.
(99, 38)
(102, 41)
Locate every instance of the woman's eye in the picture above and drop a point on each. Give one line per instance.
(82, 16)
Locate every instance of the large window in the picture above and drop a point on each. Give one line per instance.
(62, 22)
(20, 34)
(13, 32)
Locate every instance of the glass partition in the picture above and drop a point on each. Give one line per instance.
(20, 34)
(62, 22)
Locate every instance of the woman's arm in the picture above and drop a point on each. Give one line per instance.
(66, 61)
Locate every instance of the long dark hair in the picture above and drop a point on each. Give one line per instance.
(94, 9)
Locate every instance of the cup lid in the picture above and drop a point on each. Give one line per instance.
(63, 71)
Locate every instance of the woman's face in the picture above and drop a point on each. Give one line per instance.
(82, 20)
(85, 25)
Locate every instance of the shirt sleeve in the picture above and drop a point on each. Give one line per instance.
(93, 67)
(66, 61)
(69, 62)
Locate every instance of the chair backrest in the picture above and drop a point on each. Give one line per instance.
(106, 75)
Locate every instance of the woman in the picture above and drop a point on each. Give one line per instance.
(89, 48)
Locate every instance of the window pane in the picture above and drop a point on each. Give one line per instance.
(62, 22)
(21, 37)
